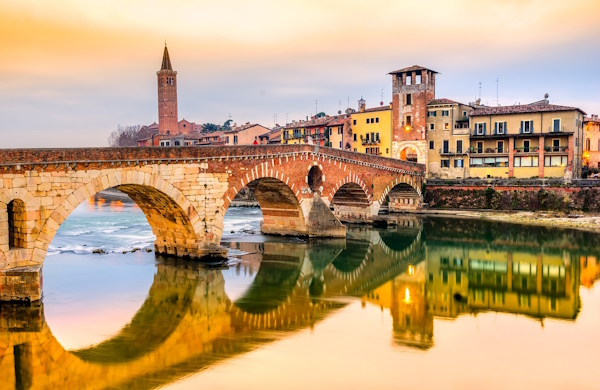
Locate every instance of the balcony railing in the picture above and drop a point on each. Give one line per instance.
(556, 149)
(367, 141)
(530, 149)
(476, 150)
(560, 130)
(450, 152)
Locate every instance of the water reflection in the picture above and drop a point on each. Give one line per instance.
(419, 270)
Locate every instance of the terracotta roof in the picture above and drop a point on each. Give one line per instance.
(521, 109)
(373, 109)
(244, 127)
(166, 62)
(412, 68)
(592, 119)
(441, 101)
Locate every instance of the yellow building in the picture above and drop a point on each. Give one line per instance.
(293, 133)
(525, 141)
(372, 130)
(447, 139)
(591, 142)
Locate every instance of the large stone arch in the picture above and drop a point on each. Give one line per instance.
(351, 202)
(173, 218)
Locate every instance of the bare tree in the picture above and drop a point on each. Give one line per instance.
(124, 136)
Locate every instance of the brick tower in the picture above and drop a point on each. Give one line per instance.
(412, 89)
(167, 97)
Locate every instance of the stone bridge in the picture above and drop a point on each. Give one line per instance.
(185, 192)
(188, 323)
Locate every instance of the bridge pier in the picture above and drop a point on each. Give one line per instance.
(21, 284)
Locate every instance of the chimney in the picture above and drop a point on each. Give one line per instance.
(362, 105)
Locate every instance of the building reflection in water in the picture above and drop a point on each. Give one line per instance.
(419, 271)
(466, 269)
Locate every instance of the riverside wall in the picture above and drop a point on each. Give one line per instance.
(529, 195)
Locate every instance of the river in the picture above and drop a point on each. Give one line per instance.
(426, 303)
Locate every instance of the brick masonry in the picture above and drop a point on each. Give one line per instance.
(184, 192)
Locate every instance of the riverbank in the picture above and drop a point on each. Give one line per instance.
(580, 221)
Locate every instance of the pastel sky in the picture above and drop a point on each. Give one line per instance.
(71, 70)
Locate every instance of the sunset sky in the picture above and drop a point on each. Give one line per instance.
(72, 70)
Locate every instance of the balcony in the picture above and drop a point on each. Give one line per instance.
(450, 152)
(556, 149)
(369, 142)
(530, 149)
(475, 150)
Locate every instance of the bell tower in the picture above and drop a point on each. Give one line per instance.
(167, 97)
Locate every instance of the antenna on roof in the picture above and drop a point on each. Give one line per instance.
(497, 100)
(316, 107)
(348, 101)
(340, 108)
(480, 90)
(286, 118)
(381, 102)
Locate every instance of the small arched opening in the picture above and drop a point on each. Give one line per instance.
(409, 154)
(16, 224)
(315, 179)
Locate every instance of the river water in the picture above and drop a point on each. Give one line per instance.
(426, 303)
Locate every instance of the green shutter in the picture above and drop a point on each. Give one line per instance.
(505, 129)
(495, 128)
(521, 130)
(531, 126)
(484, 128)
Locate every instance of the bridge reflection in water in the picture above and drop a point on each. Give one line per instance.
(417, 271)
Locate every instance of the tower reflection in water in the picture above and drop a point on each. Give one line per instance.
(418, 270)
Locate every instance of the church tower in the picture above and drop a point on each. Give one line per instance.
(167, 97)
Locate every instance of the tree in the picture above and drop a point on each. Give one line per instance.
(124, 136)
(321, 115)
(226, 125)
(210, 127)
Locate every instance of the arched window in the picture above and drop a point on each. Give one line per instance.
(16, 224)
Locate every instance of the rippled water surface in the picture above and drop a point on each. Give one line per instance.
(434, 303)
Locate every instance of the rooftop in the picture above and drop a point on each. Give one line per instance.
(441, 101)
(385, 107)
(521, 109)
(411, 69)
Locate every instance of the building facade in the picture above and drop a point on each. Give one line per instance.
(372, 130)
(447, 139)
(591, 142)
(245, 134)
(526, 141)
(412, 89)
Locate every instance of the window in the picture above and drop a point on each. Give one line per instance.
(177, 143)
(431, 145)
(526, 127)
(446, 146)
(408, 99)
(459, 146)
(430, 277)
(445, 113)
(355, 149)
(387, 150)
(500, 146)
(445, 163)
(418, 79)
(431, 113)
(408, 79)
(227, 138)
(526, 145)
(555, 161)
(354, 122)
(376, 136)
(588, 144)
(556, 125)
(368, 120)
(446, 126)
(555, 145)
(489, 162)
(377, 120)
(408, 120)
(432, 126)
(480, 128)
(162, 143)
(340, 144)
(340, 130)
(354, 137)
(235, 139)
(480, 147)
(458, 163)
(464, 114)
(528, 161)
(500, 127)
(458, 277)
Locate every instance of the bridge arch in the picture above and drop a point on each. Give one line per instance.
(281, 207)
(351, 202)
(172, 217)
(403, 193)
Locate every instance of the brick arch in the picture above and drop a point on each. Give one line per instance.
(410, 180)
(144, 188)
(349, 179)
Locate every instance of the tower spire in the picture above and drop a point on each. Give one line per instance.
(166, 61)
